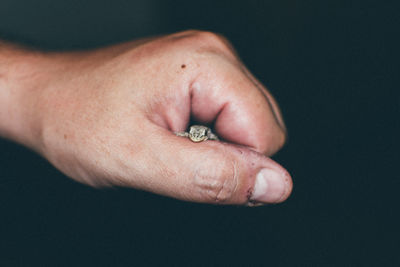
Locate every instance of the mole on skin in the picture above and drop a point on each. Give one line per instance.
(183, 66)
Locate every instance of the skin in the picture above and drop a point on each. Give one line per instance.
(106, 117)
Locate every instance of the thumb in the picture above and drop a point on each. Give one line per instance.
(210, 172)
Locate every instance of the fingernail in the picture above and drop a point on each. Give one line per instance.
(269, 187)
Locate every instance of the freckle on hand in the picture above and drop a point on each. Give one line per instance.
(65, 136)
(183, 66)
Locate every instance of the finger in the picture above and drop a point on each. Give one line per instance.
(268, 96)
(232, 53)
(242, 113)
(208, 172)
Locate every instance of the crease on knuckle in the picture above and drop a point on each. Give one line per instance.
(219, 185)
(229, 185)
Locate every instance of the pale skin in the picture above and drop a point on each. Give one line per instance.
(107, 117)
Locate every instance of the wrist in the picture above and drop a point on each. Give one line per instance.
(22, 77)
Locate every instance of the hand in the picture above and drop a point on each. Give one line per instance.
(107, 117)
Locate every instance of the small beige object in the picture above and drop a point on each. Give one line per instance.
(198, 133)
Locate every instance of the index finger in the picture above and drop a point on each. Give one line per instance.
(224, 94)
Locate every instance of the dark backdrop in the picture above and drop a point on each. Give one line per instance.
(331, 66)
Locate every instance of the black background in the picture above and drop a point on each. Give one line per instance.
(331, 66)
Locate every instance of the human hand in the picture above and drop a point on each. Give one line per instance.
(107, 117)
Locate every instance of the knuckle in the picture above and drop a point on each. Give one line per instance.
(279, 140)
(272, 141)
(217, 184)
(282, 137)
(203, 40)
(209, 37)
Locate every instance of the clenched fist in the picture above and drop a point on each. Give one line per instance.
(108, 117)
